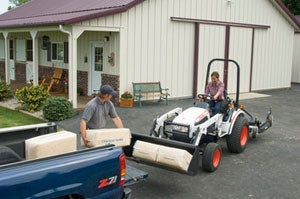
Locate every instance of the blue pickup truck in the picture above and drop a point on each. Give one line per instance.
(99, 172)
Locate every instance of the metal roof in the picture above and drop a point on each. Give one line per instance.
(65, 12)
(54, 12)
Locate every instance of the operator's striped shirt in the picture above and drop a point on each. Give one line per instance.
(213, 89)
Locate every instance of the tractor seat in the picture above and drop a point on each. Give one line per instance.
(7, 156)
(203, 105)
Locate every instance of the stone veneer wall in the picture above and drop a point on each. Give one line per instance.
(82, 81)
(114, 81)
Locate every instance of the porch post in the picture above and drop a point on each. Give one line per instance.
(73, 72)
(35, 66)
(7, 71)
(76, 32)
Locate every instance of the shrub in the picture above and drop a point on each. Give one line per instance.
(5, 91)
(57, 109)
(32, 98)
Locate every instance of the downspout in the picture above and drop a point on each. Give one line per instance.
(196, 60)
(63, 30)
(72, 90)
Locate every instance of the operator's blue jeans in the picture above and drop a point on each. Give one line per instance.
(215, 106)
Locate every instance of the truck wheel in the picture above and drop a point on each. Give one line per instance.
(211, 157)
(238, 139)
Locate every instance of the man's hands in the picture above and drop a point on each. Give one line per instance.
(83, 133)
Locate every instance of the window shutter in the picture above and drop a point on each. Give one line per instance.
(66, 52)
(54, 51)
(49, 51)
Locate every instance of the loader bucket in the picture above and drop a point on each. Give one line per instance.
(164, 153)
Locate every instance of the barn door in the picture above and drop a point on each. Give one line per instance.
(240, 46)
(211, 45)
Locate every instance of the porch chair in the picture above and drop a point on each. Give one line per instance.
(48, 82)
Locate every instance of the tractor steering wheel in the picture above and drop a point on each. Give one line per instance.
(205, 97)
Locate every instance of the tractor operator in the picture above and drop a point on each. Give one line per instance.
(215, 88)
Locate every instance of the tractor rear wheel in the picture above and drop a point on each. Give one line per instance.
(238, 139)
(211, 157)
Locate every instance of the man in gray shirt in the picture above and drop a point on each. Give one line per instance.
(97, 111)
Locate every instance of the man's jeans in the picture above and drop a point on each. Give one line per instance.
(215, 106)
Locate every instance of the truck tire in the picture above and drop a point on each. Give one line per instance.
(238, 139)
(211, 157)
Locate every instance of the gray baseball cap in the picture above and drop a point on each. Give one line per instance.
(107, 89)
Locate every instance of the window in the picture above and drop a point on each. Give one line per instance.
(58, 51)
(11, 49)
(29, 50)
(98, 51)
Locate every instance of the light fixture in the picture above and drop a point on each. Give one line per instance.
(45, 42)
(229, 2)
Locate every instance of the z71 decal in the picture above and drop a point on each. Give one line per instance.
(107, 181)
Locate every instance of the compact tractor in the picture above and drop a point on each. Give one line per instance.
(197, 130)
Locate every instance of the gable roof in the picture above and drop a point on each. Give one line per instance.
(64, 12)
(286, 13)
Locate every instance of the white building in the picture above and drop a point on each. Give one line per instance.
(296, 58)
(171, 41)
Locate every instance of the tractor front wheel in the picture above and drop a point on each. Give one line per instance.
(238, 139)
(211, 157)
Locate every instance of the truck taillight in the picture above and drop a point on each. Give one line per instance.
(122, 169)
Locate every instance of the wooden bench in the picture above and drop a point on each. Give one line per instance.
(144, 89)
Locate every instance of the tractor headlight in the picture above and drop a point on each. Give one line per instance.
(182, 129)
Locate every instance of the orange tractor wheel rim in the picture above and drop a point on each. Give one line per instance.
(216, 158)
(244, 135)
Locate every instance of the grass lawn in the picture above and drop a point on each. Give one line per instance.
(9, 118)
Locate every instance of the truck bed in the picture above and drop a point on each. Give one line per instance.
(92, 173)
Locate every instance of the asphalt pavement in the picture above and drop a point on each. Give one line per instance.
(268, 168)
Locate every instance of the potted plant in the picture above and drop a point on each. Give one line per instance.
(126, 100)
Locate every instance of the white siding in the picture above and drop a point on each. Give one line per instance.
(2, 50)
(273, 50)
(55, 37)
(154, 48)
(296, 60)
(85, 40)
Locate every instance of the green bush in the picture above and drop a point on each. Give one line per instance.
(32, 98)
(57, 109)
(5, 91)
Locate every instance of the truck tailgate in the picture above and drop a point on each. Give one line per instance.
(134, 175)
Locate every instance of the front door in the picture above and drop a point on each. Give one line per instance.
(96, 66)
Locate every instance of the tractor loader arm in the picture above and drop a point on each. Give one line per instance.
(159, 121)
